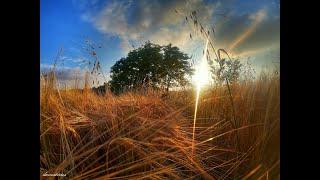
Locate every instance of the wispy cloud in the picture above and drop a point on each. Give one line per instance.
(256, 20)
(250, 32)
(73, 76)
(138, 21)
(135, 22)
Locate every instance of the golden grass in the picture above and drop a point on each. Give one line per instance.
(135, 136)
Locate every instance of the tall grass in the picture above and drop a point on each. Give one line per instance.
(147, 136)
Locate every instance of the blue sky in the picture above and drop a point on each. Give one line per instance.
(61, 26)
(251, 28)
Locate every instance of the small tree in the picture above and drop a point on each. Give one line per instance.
(226, 69)
(150, 66)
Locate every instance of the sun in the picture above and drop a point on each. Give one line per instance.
(202, 73)
(200, 78)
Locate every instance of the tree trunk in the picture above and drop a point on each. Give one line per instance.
(168, 84)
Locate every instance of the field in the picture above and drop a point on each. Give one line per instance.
(145, 135)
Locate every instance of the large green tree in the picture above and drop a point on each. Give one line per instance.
(151, 66)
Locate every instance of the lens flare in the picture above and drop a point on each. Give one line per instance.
(202, 73)
(201, 78)
(258, 19)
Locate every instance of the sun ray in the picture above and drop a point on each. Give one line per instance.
(201, 77)
(248, 31)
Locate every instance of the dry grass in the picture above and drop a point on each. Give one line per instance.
(134, 136)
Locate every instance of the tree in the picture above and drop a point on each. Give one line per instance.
(150, 66)
(226, 69)
(176, 66)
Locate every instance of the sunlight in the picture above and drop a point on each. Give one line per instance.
(202, 73)
(157, 90)
(258, 19)
(201, 78)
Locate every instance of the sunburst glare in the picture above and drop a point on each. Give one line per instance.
(202, 73)
(201, 78)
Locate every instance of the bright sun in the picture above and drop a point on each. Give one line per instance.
(202, 73)
(200, 78)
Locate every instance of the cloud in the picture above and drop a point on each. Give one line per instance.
(145, 20)
(72, 76)
(73, 59)
(249, 32)
(63, 73)
(134, 22)
(65, 76)
(256, 19)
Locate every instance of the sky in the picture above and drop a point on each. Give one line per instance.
(245, 28)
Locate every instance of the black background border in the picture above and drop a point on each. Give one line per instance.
(20, 68)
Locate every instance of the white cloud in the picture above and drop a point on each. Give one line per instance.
(73, 76)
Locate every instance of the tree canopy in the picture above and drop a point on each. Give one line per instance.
(153, 66)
